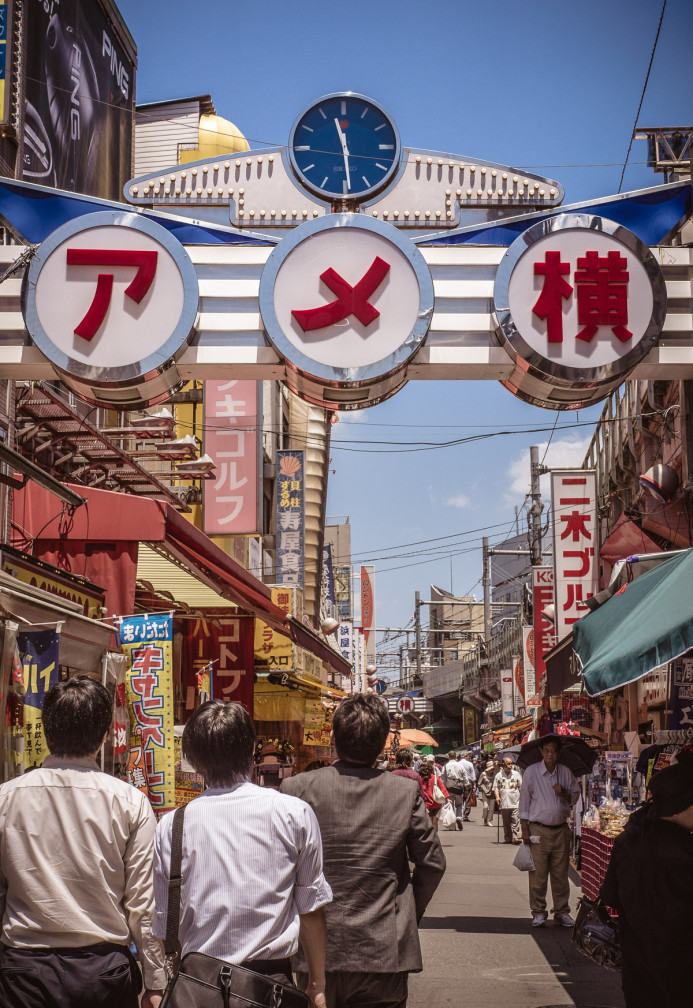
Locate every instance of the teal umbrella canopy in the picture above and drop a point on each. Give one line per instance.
(645, 624)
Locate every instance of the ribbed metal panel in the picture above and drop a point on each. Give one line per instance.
(163, 575)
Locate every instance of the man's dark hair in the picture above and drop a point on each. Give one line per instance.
(360, 726)
(76, 715)
(219, 741)
(404, 757)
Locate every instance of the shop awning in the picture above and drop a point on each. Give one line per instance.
(111, 518)
(645, 624)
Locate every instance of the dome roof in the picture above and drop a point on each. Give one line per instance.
(216, 136)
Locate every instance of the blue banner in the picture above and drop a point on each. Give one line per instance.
(39, 655)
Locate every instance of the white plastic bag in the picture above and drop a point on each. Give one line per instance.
(523, 859)
(446, 816)
(438, 793)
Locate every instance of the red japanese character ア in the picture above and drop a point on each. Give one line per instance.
(602, 294)
(549, 305)
(143, 259)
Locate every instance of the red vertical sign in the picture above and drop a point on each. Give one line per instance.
(368, 611)
(544, 635)
(226, 643)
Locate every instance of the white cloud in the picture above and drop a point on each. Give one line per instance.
(563, 453)
(352, 416)
(458, 501)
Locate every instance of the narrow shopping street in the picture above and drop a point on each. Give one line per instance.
(478, 946)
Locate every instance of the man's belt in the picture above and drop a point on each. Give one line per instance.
(547, 825)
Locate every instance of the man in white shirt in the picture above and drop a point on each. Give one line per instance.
(470, 773)
(506, 791)
(253, 885)
(549, 790)
(456, 780)
(76, 870)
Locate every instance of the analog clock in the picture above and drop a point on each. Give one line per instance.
(344, 146)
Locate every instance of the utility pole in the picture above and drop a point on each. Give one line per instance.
(417, 631)
(536, 507)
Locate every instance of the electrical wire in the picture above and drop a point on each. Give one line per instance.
(642, 96)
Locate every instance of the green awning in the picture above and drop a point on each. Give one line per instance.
(645, 624)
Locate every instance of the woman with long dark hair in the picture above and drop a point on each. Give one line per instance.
(429, 779)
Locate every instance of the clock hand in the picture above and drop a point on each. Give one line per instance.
(345, 151)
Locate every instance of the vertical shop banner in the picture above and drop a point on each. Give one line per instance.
(681, 703)
(222, 650)
(518, 683)
(79, 100)
(328, 592)
(5, 66)
(38, 654)
(273, 651)
(506, 697)
(231, 416)
(148, 643)
(544, 634)
(342, 590)
(290, 517)
(345, 635)
(317, 724)
(368, 611)
(575, 546)
(530, 670)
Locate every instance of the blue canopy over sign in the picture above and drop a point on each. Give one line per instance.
(32, 212)
(649, 213)
(645, 624)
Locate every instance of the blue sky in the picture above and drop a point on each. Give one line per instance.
(544, 85)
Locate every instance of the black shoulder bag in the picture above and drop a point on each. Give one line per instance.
(595, 934)
(203, 981)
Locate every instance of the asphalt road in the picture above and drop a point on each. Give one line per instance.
(479, 949)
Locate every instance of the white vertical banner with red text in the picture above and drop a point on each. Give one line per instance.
(506, 697)
(575, 547)
(232, 416)
(530, 670)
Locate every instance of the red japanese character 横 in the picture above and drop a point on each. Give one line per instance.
(602, 294)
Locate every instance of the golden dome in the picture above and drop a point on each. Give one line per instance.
(216, 137)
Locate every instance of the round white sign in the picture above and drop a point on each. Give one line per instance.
(346, 299)
(405, 705)
(579, 298)
(111, 297)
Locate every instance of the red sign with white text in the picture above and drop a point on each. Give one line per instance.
(544, 635)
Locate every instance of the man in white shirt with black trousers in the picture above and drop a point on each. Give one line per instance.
(549, 790)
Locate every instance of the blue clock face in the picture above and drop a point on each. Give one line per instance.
(344, 146)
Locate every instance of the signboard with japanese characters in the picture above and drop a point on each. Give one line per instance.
(579, 299)
(346, 298)
(507, 695)
(328, 591)
(38, 653)
(317, 724)
(221, 650)
(273, 651)
(290, 517)
(111, 300)
(368, 610)
(529, 667)
(575, 546)
(232, 439)
(681, 705)
(148, 643)
(544, 632)
(345, 634)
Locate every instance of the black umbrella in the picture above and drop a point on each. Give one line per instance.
(572, 752)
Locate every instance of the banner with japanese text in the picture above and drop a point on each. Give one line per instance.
(273, 651)
(368, 610)
(575, 547)
(38, 654)
(290, 503)
(544, 635)
(530, 670)
(232, 439)
(223, 648)
(317, 724)
(328, 591)
(148, 643)
(681, 701)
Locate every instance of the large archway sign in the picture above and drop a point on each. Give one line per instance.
(348, 267)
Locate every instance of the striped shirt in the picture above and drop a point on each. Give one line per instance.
(252, 863)
(538, 800)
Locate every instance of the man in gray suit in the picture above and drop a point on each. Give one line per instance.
(373, 824)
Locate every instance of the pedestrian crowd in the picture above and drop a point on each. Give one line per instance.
(312, 892)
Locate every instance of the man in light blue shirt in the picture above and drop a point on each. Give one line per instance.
(549, 790)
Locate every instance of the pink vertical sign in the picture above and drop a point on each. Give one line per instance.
(231, 439)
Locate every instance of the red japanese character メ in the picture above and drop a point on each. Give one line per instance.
(145, 261)
(350, 300)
